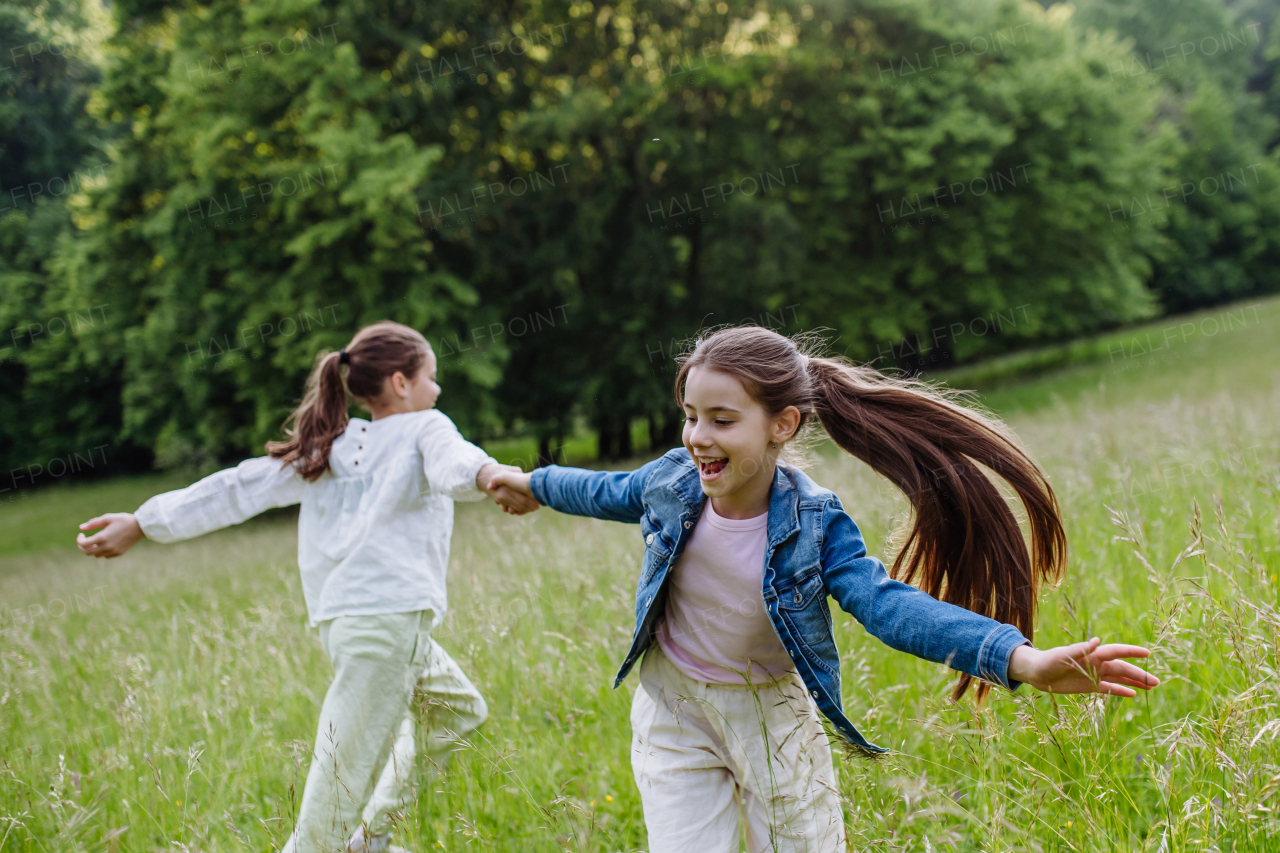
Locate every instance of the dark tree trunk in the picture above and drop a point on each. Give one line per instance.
(615, 440)
(624, 441)
(604, 436)
(664, 432)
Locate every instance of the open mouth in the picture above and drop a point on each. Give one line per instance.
(710, 467)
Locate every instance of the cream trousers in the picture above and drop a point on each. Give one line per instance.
(366, 742)
(707, 755)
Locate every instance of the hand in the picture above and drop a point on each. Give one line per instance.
(1082, 668)
(509, 488)
(120, 532)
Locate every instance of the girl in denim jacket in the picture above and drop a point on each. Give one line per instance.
(731, 606)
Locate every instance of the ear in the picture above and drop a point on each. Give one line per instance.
(786, 424)
(399, 384)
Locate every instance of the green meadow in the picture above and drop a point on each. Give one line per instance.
(166, 700)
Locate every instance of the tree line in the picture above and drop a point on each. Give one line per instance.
(199, 197)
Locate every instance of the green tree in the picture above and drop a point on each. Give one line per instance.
(558, 194)
(738, 164)
(260, 210)
(1218, 204)
(49, 149)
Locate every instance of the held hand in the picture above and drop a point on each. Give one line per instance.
(1082, 668)
(511, 477)
(504, 484)
(120, 532)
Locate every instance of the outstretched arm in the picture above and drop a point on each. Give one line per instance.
(219, 500)
(910, 620)
(611, 495)
(461, 470)
(906, 618)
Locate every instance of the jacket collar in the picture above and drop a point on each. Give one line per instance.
(784, 507)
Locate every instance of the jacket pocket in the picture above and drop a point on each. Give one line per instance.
(650, 565)
(804, 609)
(655, 541)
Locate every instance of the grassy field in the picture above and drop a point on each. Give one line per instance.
(166, 700)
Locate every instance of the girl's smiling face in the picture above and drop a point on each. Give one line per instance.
(734, 442)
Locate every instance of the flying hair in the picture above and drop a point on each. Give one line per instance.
(963, 544)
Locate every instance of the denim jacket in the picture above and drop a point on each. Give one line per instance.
(814, 551)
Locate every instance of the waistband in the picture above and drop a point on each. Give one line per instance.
(664, 662)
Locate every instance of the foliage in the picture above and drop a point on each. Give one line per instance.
(49, 149)
(1218, 203)
(560, 194)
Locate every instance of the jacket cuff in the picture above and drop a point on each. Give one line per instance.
(993, 657)
(538, 484)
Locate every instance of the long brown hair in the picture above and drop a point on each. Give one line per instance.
(963, 544)
(375, 353)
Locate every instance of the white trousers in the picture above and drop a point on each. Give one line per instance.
(706, 755)
(366, 741)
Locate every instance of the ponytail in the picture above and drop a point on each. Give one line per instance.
(317, 422)
(375, 353)
(963, 544)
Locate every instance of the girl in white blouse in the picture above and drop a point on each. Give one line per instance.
(373, 546)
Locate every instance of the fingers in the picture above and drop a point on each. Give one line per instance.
(1111, 651)
(1090, 667)
(1101, 654)
(516, 503)
(1127, 673)
(94, 523)
(508, 481)
(95, 549)
(1119, 667)
(519, 500)
(1076, 651)
(97, 545)
(1115, 690)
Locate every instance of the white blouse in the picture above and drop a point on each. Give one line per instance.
(374, 530)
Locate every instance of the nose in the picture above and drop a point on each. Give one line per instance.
(698, 436)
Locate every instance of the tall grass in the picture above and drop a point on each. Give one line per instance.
(166, 700)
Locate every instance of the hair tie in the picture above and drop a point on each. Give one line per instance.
(343, 357)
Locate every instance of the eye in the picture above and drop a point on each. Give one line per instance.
(723, 422)
(690, 419)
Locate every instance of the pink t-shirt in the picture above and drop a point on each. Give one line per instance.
(715, 620)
